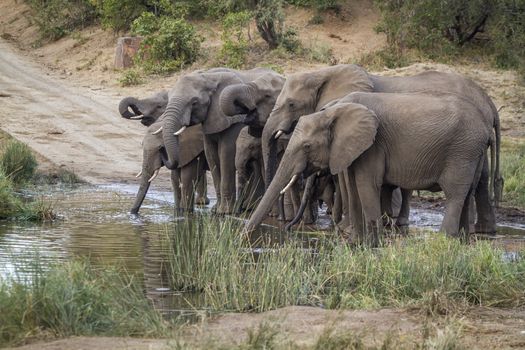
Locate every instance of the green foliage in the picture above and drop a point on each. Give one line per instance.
(235, 37)
(130, 77)
(441, 28)
(390, 57)
(56, 18)
(18, 162)
(169, 43)
(118, 14)
(321, 5)
(10, 205)
(76, 299)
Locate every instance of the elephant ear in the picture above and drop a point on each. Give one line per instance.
(216, 120)
(338, 81)
(191, 143)
(353, 130)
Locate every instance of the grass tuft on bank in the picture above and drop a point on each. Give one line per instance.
(75, 298)
(513, 171)
(235, 273)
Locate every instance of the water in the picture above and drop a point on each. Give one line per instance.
(94, 223)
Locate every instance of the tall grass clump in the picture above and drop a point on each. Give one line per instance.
(10, 205)
(236, 273)
(18, 162)
(513, 171)
(76, 299)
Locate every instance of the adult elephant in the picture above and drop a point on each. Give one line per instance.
(147, 110)
(186, 179)
(195, 99)
(413, 141)
(308, 92)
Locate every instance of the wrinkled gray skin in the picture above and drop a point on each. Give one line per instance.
(187, 179)
(249, 166)
(306, 93)
(195, 99)
(412, 141)
(147, 110)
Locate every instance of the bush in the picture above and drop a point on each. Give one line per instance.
(168, 43)
(235, 28)
(320, 5)
(118, 14)
(18, 162)
(10, 205)
(441, 29)
(130, 77)
(57, 18)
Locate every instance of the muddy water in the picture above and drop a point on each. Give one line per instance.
(94, 223)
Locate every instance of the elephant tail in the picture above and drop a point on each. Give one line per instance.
(492, 177)
(497, 184)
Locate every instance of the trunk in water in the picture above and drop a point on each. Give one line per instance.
(143, 190)
(172, 123)
(282, 177)
(127, 103)
(307, 194)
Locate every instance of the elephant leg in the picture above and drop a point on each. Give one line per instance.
(386, 201)
(175, 184)
(227, 149)
(337, 211)
(189, 180)
(486, 216)
(288, 206)
(370, 196)
(212, 156)
(295, 196)
(202, 184)
(404, 212)
(328, 197)
(354, 214)
(257, 185)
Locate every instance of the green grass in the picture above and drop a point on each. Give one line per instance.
(513, 171)
(17, 161)
(214, 258)
(75, 298)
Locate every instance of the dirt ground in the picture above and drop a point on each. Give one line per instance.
(61, 99)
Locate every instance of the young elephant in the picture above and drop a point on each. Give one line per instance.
(187, 179)
(147, 110)
(413, 141)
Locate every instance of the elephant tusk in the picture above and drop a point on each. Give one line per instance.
(289, 184)
(138, 175)
(137, 117)
(279, 133)
(154, 175)
(180, 131)
(157, 132)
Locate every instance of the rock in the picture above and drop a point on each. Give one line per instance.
(127, 47)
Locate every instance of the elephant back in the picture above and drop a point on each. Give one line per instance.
(191, 143)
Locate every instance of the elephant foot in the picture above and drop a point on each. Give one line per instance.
(402, 229)
(225, 208)
(485, 228)
(201, 201)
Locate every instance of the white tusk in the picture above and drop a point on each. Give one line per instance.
(279, 133)
(177, 133)
(154, 175)
(157, 132)
(289, 184)
(138, 175)
(137, 117)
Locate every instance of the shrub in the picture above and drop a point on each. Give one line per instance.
(320, 5)
(56, 18)
(441, 29)
(10, 205)
(118, 14)
(168, 43)
(235, 38)
(18, 162)
(130, 77)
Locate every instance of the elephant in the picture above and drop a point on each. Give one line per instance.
(187, 179)
(195, 100)
(308, 92)
(415, 141)
(248, 163)
(147, 110)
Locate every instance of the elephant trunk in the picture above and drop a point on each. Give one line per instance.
(172, 124)
(307, 194)
(237, 99)
(143, 190)
(282, 177)
(125, 104)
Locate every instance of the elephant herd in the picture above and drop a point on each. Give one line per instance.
(339, 135)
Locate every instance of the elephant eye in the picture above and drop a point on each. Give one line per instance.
(291, 105)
